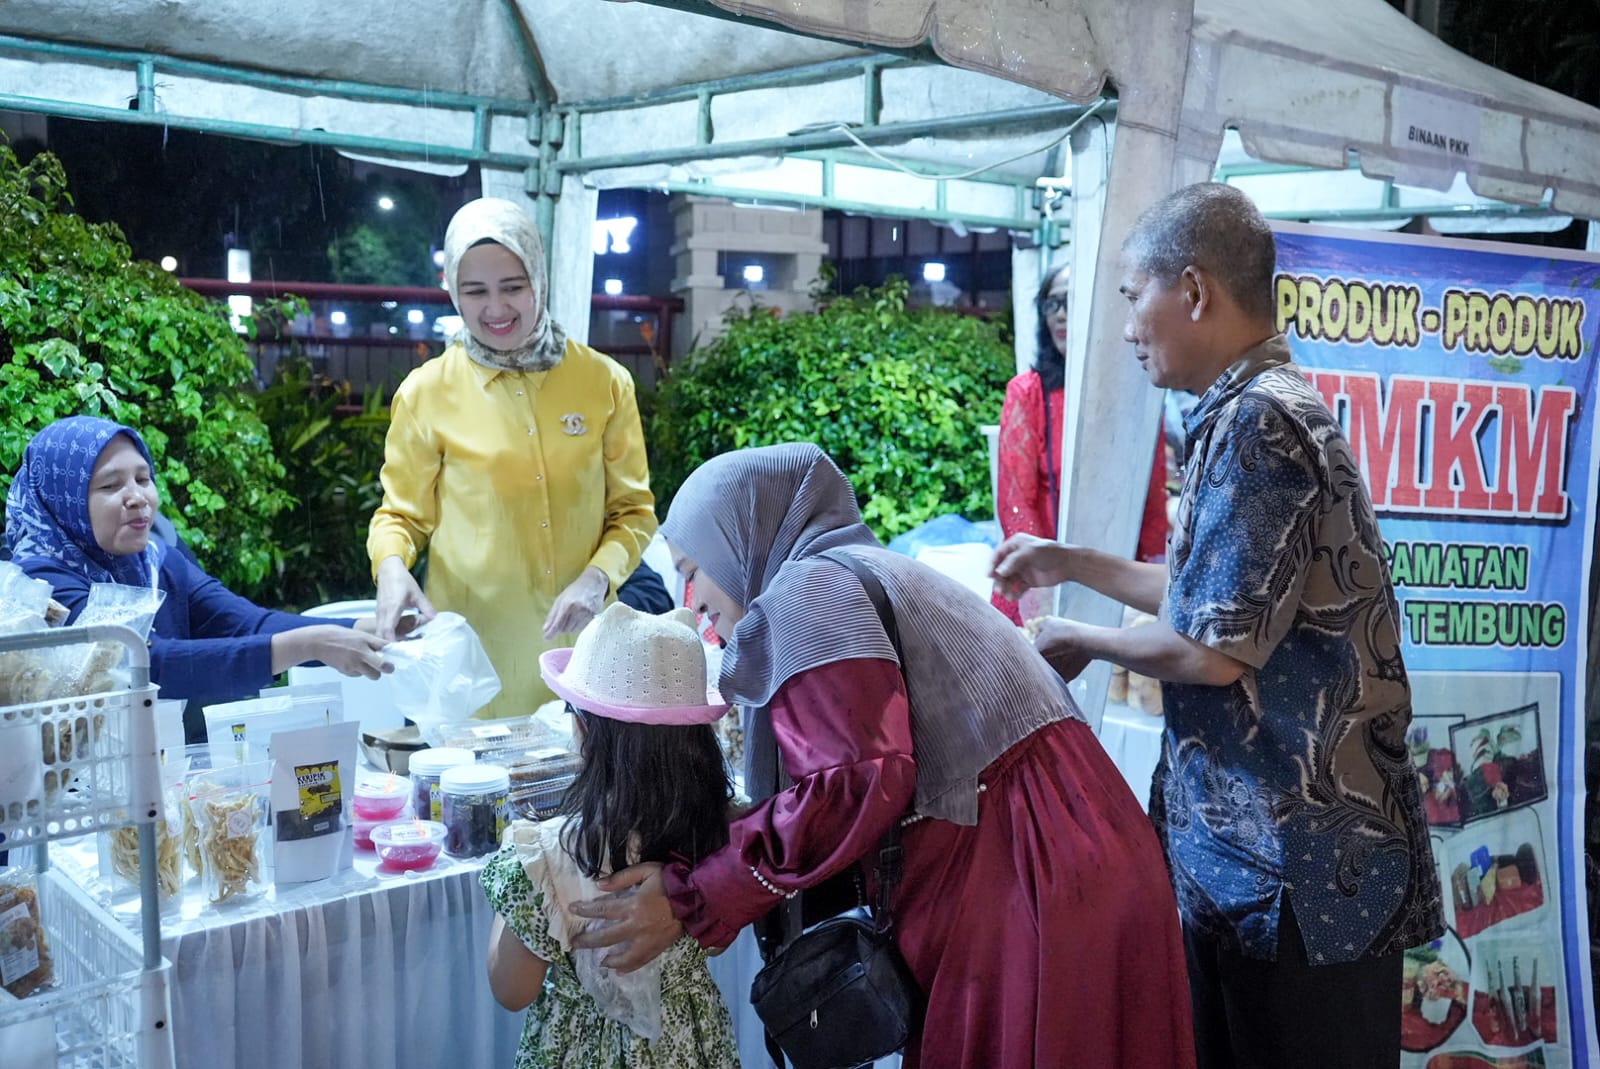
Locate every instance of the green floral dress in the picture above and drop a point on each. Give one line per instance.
(526, 882)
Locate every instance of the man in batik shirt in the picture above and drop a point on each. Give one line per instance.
(1286, 800)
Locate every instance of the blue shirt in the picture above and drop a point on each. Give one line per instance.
(208, 644)
(1295, 779)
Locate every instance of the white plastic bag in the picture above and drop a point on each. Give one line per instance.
(441, 673)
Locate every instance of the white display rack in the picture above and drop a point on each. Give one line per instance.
(98, 771)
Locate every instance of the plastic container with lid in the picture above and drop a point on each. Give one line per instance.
(381, 798)
(363, 831)
(426, 766)
(407, 845)
(476, 808)
(539, 780)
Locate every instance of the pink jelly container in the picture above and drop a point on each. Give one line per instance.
(408, 845)
(381, 799)
(363, 830)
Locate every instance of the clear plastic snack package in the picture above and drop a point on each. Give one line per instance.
(96, 668)
(119, 849)
(230, 808)
(26, 967)
(26, 676)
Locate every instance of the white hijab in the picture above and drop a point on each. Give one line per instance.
(507, 224)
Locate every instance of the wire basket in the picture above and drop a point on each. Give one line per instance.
(102, 994)
(76, 765)
(89, 766)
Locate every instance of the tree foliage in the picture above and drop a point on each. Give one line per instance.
(1553, 43)
(87, 330)
(896, 396)
(332, 461)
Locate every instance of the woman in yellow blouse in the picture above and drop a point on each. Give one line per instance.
(517, 456)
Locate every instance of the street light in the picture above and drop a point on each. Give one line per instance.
(614, 287)
(386, 203)
(169, 263)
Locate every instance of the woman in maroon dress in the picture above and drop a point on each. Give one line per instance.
(1034, 909)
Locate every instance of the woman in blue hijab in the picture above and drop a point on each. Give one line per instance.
(81, 511)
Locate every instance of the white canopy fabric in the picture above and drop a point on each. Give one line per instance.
(1317, 80)
(1304, 82)
(1306, 85)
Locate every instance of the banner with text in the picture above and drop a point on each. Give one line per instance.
(1464, 374)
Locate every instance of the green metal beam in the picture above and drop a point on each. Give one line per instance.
(928, 171)
(346, 90)
(1044, 114)
(1263, 167)
(279, 134)
(887, 211)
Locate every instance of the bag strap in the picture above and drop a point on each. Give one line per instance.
(891, 857)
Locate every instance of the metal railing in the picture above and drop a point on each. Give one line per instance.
(378, 345)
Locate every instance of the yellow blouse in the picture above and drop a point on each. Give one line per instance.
(517, 481)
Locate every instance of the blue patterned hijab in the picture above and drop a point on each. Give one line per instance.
(47, 510)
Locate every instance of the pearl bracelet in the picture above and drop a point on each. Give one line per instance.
(770, 886)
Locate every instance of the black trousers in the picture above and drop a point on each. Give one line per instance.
(1285, 1014)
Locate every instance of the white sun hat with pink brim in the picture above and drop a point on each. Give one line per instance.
(636, 666)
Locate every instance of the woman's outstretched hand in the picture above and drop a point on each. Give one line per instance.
(397, 592)
(578, 604)
(347, 649)
(634, 918)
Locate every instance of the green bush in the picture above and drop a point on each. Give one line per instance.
(87, 330)
(333, 462)
(896, 396)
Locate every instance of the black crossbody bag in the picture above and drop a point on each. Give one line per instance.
(840, 994)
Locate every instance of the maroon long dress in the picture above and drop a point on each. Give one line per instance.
(1046, 935)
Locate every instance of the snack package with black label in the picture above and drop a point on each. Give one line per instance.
(313, 782)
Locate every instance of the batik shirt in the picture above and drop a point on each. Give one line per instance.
(1295, 780)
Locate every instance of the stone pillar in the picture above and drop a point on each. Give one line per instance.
(704, 228)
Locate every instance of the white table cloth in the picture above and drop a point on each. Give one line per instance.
(1133, 739)
(358, 971)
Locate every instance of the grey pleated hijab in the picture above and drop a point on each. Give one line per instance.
(756, 520)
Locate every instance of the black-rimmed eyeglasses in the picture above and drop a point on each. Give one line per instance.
(1052, 304)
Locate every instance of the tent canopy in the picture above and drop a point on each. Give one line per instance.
(662, 94)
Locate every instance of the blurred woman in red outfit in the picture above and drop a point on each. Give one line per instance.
(1030, 446)
(1034, 909)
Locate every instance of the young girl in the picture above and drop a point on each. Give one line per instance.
(653, 787)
